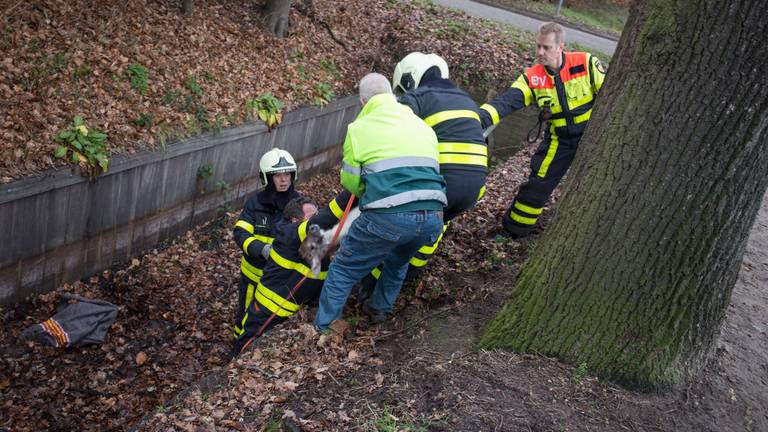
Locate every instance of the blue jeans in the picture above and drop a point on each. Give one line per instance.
(373, 238)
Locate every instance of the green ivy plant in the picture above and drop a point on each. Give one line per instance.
(85, 146)
(324, 94)
(268, 108)
(139, 75)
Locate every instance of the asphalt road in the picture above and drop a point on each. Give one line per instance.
(523, 22)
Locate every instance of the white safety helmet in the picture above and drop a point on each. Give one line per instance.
(277, 161)
(411, 69)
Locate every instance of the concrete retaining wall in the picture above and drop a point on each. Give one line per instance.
(57, 227)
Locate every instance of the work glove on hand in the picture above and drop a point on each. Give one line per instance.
(265, 251)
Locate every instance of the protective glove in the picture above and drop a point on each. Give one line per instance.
(265, 251)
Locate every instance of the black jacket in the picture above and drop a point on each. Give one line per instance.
(256, 227)
(453, 115)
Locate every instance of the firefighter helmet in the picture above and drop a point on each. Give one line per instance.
(277, 161)
(411, 69)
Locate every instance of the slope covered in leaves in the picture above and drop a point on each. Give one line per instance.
(144, 74)
(173, 329)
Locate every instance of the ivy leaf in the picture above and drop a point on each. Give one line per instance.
(60, 152)
(103, 162)
(63, 135)
(78, 121)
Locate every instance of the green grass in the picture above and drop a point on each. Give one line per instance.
(385, 421)
(600, 15)
(604, 58)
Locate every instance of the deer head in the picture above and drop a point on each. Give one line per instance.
(313, 247)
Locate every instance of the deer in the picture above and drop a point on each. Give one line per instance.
(317, 244)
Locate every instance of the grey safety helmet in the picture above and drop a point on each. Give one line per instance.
(411, 69)
(277, 161)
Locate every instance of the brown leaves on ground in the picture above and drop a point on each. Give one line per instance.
(65, 58)
(173, 330)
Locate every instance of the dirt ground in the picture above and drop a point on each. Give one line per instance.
(433, 378)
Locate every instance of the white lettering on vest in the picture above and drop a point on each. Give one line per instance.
(538, 81)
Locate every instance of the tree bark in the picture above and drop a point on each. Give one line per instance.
(276, 17)
(186, 7)
(636, 269)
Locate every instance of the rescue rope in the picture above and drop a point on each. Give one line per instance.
(263, 327)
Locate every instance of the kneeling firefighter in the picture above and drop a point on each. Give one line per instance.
(421, 82)
(254, 230)
(282, 289)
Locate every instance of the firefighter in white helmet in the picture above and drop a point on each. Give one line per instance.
(421, 82)
(254, 231)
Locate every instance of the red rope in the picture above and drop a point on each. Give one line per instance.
(263, 327)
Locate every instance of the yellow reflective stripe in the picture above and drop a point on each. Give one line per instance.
(582, 118)
(528, 209)
(561, 122)
(248, 296)
(550, 155)
(430, 249)
(583, 101)
(376, 272)
(303, 230)
(418, 262)
(271, 306)
(244, 225)
(455, 147)
(264, 239)
(336, 209)
(521, 219)
(246, 243)
(522, 85)
(481, 194)
(277, 298)
(451, 158)
(442, 116)
(292, 265)
(251, 272)
(492, 111)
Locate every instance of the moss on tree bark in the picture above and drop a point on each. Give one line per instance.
(636, 269)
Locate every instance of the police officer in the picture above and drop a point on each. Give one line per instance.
(421, 83)
(564, 86)
(254, 230)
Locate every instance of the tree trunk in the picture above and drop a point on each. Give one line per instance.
(276, 17)
(186, 7)
(635, 272)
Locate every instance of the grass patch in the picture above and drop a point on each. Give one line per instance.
(601, 15)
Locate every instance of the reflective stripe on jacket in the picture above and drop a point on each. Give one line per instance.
(286, 267)
(391, 159)
(569, 94)
(253, 230)
(453, 115)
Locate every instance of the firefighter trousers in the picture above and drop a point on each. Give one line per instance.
(278, 302)
(548, 166)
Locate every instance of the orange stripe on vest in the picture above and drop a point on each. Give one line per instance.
(538, 78)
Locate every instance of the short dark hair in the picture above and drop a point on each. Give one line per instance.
(295, 208)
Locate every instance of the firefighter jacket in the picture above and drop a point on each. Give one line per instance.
(286, 267)
(256, 226)
(391, 159)
(568, 94)
(452, 114)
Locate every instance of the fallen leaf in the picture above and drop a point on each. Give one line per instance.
(353, 355)
(141, 358)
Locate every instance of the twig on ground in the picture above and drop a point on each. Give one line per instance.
(406, 328)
